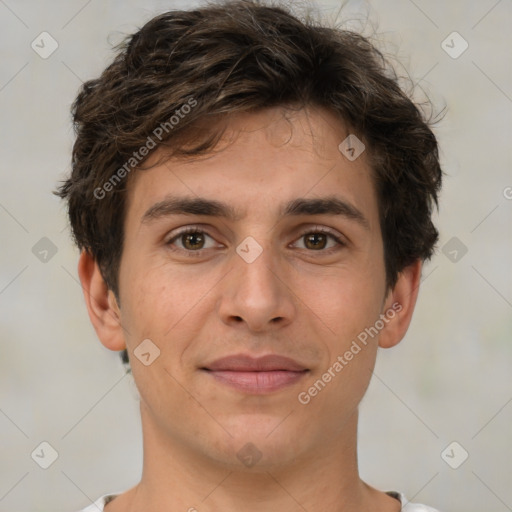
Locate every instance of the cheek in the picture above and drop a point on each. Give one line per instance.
(345, 301)
(150, 287)
(151, 310)
(349, 305)
(163, 304)
(335, 393)
(145, 311)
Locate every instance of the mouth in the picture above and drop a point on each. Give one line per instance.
(256, 375)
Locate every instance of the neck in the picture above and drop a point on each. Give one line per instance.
(177, 478)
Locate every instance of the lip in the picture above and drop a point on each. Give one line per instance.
(246, 363)
(256, 375)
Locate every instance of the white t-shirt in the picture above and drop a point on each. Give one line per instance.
(99, 504)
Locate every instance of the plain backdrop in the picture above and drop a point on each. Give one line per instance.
(448, 381)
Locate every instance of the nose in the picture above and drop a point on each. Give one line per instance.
(257, 292)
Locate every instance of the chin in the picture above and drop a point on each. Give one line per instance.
(260, 444)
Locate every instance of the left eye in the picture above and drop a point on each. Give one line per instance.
(318, 239)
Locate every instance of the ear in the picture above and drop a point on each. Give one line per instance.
(101, 304)
(400, 302)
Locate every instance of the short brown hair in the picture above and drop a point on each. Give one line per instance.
(241, 56)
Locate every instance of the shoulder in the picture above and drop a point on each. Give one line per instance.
(100, 503)
(407, 506)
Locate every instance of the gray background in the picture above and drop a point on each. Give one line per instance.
(449, 380)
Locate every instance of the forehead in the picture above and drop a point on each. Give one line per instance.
(263, 159)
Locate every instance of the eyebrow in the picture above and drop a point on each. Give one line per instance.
(330, 205)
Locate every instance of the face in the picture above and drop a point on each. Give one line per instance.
(277, 251)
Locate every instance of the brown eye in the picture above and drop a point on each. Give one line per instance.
(316, 240)
(192, 241)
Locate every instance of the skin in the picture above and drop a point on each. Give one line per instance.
(298, 299)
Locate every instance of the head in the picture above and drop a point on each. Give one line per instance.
(247, 105)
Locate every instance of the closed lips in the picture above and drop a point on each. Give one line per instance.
(256, 375)
(245, 363)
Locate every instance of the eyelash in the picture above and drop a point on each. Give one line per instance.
(310, 231)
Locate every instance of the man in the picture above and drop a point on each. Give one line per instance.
(252, 195)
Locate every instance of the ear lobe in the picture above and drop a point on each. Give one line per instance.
(401, 301)
(101, 303)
